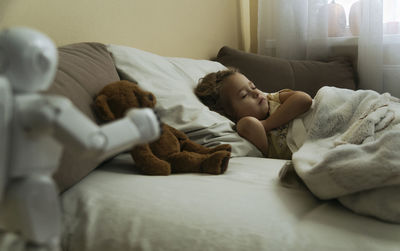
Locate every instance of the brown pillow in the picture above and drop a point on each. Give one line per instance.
(271, 74)
(83, 69)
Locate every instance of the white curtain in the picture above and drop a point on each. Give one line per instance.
(367, 30)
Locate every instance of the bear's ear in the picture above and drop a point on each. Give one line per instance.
(102, 108)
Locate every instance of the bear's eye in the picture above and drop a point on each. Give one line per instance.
(151, 97)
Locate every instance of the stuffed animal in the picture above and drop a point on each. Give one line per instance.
(173, 152)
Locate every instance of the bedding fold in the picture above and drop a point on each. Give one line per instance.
(347, 147)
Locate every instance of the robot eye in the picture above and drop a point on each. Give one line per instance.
(42, 61)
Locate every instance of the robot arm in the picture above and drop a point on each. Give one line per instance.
(75, 131)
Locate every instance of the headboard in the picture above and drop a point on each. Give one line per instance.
(178, 28)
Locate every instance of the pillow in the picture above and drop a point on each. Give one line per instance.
(83, 69)
(172, 81)
(271, 74)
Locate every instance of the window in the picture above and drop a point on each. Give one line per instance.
(391, 17)
(345, 17)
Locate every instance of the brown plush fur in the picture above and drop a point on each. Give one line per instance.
(173, 152)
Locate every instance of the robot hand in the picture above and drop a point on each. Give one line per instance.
(147, 122)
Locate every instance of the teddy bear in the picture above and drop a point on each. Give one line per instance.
(173, 152)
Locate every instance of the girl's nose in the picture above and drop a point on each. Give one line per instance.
(255, 93)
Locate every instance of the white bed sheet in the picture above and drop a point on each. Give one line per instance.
(246, 208)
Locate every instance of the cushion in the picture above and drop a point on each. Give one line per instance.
(83, 69)
(172, 81)
(271, 74)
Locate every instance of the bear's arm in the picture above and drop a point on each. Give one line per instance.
(178, 134)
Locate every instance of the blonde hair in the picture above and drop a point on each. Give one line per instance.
(208, 89)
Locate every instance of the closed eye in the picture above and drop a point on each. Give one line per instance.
(243, 93)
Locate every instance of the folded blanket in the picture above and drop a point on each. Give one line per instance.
(347, 147)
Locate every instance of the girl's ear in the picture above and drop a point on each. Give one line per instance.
(103, 109)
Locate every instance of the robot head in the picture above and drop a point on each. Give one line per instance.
(28, 59)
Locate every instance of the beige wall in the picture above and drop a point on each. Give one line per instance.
(188, 28)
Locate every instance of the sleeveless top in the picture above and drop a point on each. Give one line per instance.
(277, 146)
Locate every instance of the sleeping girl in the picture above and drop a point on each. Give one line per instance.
(346, 147)
(260, 118)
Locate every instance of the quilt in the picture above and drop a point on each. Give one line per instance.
(347, 147)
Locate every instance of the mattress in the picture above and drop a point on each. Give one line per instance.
(247, 208)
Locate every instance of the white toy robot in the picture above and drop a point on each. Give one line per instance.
(35, 127)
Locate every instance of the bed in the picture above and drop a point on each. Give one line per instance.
(108, 205)
(257, 204)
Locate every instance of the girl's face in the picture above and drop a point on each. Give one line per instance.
(241, 98)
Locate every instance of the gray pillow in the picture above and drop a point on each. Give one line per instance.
(83, 69)
(271, 74)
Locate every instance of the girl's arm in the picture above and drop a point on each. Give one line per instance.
(251, 129)
(293, 104)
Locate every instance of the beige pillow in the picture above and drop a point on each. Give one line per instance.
(271, 74)
(83, 69)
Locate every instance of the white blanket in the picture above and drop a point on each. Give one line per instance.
(348, 147)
